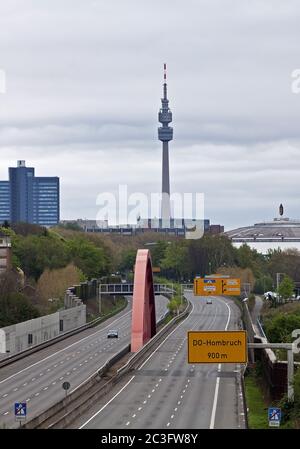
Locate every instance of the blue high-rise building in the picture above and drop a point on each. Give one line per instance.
(29, 199)
(4, 201)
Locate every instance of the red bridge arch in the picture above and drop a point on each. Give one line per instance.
(143, 303)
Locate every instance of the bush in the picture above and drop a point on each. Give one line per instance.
(14, 308)
(280, 327)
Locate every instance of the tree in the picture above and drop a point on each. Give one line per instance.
(286, 287)
(158, 253)
(128, 257)
(176, 259)
(14, 306)
(174, 304)
(35, 253)
(264, 283)
(54, 283)
(287, 261)
(91, 260)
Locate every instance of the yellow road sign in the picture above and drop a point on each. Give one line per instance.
(217, 286)
(217, 347)
(231, 287)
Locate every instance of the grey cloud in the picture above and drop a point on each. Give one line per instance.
(84, 86)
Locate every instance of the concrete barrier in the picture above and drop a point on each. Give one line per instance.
(39, 347)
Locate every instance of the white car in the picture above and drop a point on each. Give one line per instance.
(112, 334)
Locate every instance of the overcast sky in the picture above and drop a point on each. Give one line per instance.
(83, 88)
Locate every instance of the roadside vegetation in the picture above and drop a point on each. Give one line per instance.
(50, 260)
(258, 403)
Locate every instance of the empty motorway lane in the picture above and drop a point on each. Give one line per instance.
(37, 379)
(168, 393)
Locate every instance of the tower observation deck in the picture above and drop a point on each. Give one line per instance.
(165, 134)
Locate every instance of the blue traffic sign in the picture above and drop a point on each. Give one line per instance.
(20, 409)
(274, 414)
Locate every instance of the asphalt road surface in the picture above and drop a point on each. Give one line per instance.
(168, 393)
(37, 379)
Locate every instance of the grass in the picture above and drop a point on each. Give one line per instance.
(257, 408)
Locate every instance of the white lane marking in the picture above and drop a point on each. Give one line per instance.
(15, 389)
(24, 385)
(64, 349)
(214, 408)
(36, 394)
(105, 405)
(145, 402)
(131, 379)
(46, 388)
(128, 422)
(33, 379)
(153, 390)
(140, 408)
(4, 396)
(175, 409)
(134, 415)
(172, 416)
(6, 413)
(53, 383)
(168, 424)
(27, 400)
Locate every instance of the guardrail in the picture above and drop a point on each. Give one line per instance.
(68, 409)
(20, 355)
(261, 330)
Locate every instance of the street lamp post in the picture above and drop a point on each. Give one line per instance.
(99, 299)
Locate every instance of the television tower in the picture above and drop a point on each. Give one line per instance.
(165, 134)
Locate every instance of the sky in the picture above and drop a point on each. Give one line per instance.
(83, 82)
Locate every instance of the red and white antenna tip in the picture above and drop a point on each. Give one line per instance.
(165, 71)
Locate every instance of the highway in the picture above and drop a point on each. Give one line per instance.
(37, 379)
(168, 393)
